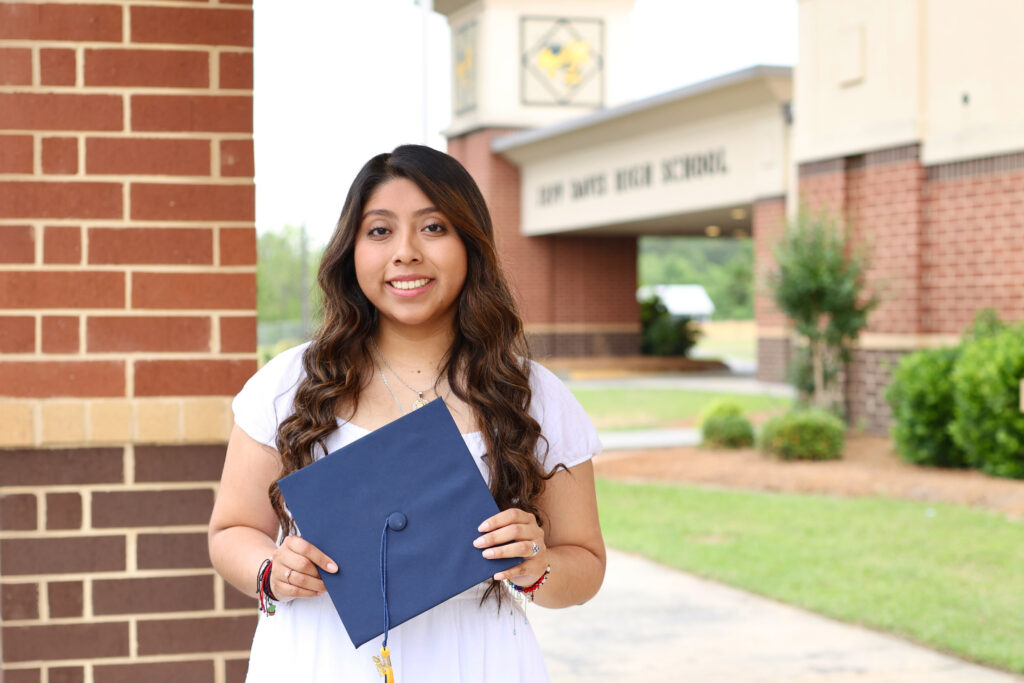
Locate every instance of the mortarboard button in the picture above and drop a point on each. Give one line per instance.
(397, 521)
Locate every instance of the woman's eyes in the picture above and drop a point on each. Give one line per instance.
(432, 228)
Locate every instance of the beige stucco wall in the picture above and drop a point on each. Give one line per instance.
(742, 125)
(873, 74)
(973, 48)
(499, 58)
(857, 77)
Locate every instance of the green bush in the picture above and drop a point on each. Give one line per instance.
(728, 432)
(721, 407)
(662, 334)
(804, 435)
(724, 426)
(988, 425)
(921, 398)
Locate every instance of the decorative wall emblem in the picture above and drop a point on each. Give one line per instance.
(562, 61)
(464, 60)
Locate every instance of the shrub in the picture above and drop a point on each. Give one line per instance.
(921, 398)
(662, 334)
(804, 435)
(988, 425)
(724, 426)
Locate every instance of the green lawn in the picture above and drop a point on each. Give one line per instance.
(947, 576)
(659, 408)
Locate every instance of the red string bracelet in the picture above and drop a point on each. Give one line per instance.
(531, 589)
(266, 596)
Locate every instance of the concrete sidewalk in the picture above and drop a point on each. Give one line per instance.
(651, 623)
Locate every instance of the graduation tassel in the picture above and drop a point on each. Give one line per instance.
(396, 521)
(384, 664)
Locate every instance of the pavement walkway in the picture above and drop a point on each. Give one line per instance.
(650, 623)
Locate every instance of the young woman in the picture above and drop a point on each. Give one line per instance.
(415, 307)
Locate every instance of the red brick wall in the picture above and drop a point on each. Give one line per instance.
(945, 241)
(884, 192)
(577, 294)
(972, 249)
(127, 320)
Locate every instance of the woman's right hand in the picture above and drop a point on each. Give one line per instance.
(296, 569)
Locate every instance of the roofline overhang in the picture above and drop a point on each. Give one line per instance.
(514, 141)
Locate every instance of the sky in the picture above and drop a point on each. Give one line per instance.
(338, 81)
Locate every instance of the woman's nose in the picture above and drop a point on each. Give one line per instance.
(406, 247)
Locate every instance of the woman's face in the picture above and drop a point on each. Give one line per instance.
(409, 260)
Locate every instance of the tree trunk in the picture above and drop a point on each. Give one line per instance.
(818, 366)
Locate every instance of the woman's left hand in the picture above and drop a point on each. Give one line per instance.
(517, 534)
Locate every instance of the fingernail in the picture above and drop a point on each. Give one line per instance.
(489, 552)
(483, 527)
(479, 542)
(499, 576)
(331, 567)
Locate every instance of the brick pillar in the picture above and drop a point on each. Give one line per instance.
(577, 294)
(127, 321)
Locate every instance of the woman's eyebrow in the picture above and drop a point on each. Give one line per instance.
(391, 214)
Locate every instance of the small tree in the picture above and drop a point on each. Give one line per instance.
(819, 284)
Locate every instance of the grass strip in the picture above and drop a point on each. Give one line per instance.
(947, 576)
(646, 408)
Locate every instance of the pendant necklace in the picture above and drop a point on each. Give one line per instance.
(420, 401)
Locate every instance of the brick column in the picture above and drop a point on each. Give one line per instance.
(577, 294)
(127, 321)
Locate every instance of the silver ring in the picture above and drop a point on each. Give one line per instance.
(288, 575)
(536, 549)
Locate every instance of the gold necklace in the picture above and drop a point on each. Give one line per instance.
(420, 401)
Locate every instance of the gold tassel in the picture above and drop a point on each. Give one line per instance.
(384, 665)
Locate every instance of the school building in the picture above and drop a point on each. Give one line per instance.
(128, 250)
(902, 118)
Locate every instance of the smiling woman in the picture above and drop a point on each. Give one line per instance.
(409, 262)
(413, 291)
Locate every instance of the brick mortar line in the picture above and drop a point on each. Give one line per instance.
(79, 66)
(125, 90)
(130, 135)
(120, 222)
(138, 574)
(132, 355)
(128, 616)
(44, 600)
(127, 180)
(126, 22)
(152, 486)
(80, 149)
(115, 46)
(191, 268)
(87, 604)
(116, 313)
(37, 236)
(37, 153)
(141, 659)
(37, 62)
(63, 535)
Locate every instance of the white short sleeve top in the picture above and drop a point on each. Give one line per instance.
(266, 400)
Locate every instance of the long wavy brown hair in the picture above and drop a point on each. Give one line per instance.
(487, 365)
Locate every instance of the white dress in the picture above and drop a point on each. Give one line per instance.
(457, 641)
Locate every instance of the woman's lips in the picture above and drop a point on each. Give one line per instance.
(410, 287)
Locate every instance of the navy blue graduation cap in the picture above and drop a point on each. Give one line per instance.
(399, 510)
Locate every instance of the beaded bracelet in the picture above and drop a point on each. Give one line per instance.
(266, 596)
(531, 589)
